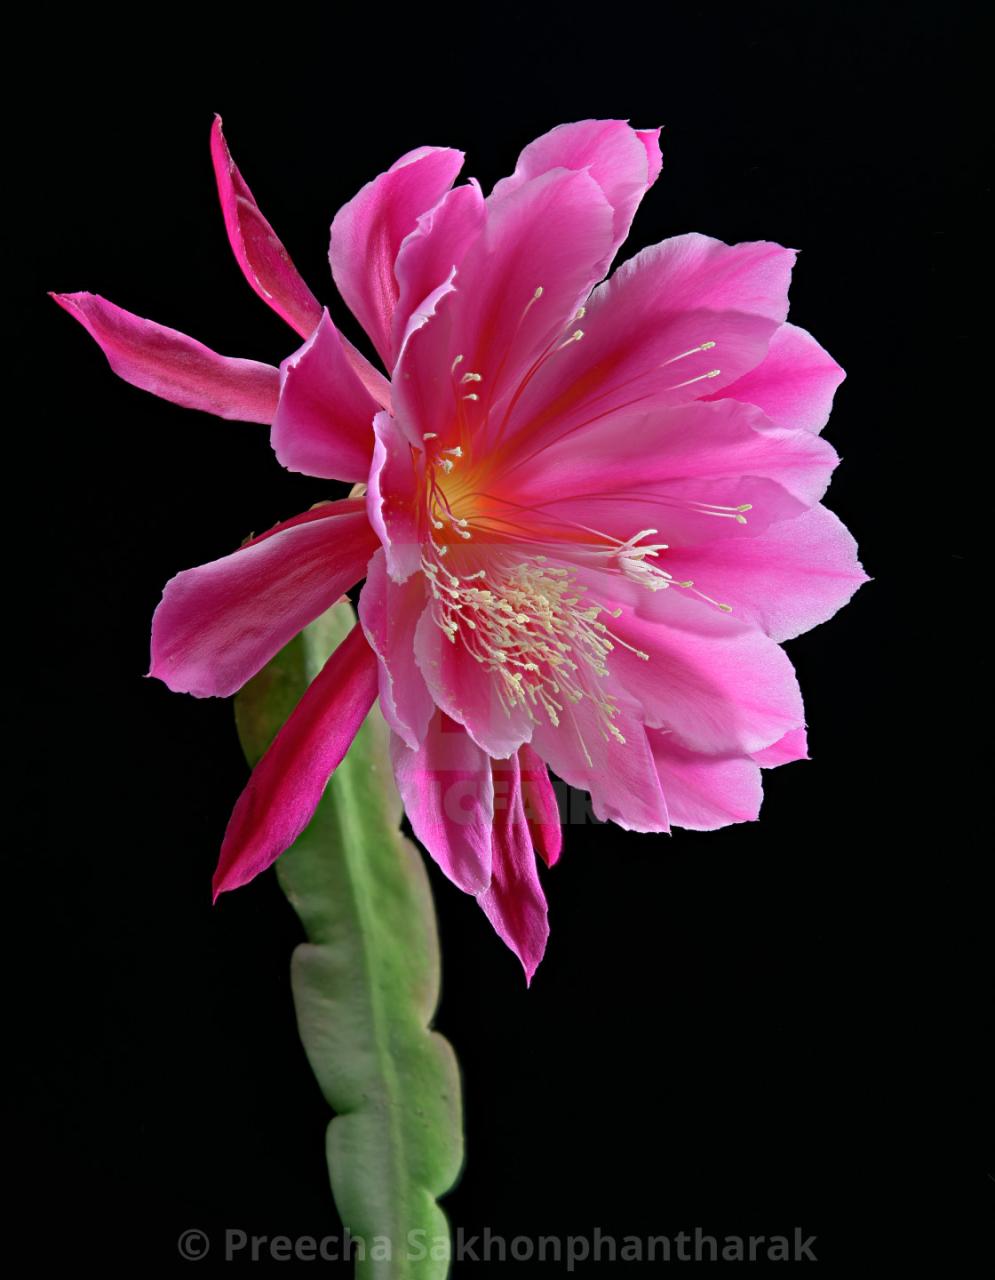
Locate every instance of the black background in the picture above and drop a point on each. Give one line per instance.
(745, 1031)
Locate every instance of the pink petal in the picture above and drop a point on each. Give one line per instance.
(678, 322)
(720, 685)
(389, 613)
(516, 292)
(795, 382)
(661, 462)
(465, 693)
(788, 579)
(219, 624)
(324, 422)
(698, 272)
(173, 366)
(793, 746)
(368, 231)
(706, 792)
(287, 783)
(263, 259)
(448, 796)
(622, 161)
(514, 901)
(650, 138)
(428, 255)
(541, 808)
(621, 778)
(391, 498)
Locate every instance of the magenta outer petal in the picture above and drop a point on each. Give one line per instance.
(367, 234)
(514, 901)
(324, 421)
(448, 796)
(263, 259)
(794, 384)
(219, 624)
(173, 366)
(288, 781)
(541, 808)
(389, 613)
(706, 792)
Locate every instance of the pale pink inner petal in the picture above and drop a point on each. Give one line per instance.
(466, 693)
(518, 286)
(705, 792)
(448, 796)
(795, 382)
(367, 234)
(389, 613)
(793, 746)
(623, 162)
(620, 776)
(428, 255)
(790, 578)
(391, 499)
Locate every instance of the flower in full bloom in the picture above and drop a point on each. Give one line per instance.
(587, 514)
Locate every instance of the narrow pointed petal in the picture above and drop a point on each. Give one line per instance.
(514, 901)
(288, 781)
(623, 162)
(367, 234)
(706, 792)
(795, 382)
(541, 808)
(389, 613)
(262, 257)
(324, 421)
(219, 624)
(448, 796)
(173, 366)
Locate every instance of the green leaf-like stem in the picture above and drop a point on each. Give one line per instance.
(366, 984)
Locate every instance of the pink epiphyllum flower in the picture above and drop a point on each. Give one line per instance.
(592, 510)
